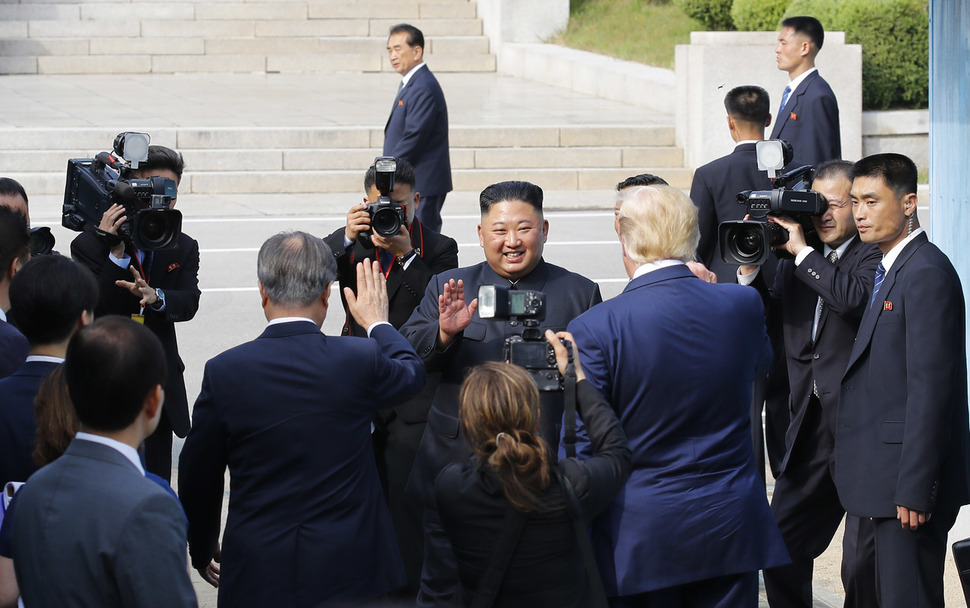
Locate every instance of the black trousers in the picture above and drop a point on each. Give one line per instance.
(158, 450)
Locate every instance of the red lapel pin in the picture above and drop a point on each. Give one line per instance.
(173, 266)
(887, 305)
(793, 116)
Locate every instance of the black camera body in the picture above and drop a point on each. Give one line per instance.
(529, 350)
(95, 184)
(750, 241)
(386, 216)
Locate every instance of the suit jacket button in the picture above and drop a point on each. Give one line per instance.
(815, 356)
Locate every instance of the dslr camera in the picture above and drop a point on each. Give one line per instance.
(386, 216)
(94, 184)
(529, 350)
(750, 241)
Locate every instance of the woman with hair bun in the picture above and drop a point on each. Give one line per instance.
(507, 511)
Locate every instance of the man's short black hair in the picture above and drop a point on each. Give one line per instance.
(10, 187)
(808, 26)
(160, 157)
(511, 191)
(404, 174)
(898, 171)
(748, 103)
(14, 238)
(47, 297)
(111, 368)
(415, 37)
(832, 169)
(643, 179)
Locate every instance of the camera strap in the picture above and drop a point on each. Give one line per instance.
(569, 408)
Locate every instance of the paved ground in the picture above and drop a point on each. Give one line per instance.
(231, 228)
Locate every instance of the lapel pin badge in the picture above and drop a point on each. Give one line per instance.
(400, 102)
(793, 116)
(887, 305)
(173, 266)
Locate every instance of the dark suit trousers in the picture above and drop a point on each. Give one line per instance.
(806, 507)
(429, 211)
(732, 591)
(909, 564)
(439, 574)
(158, 450)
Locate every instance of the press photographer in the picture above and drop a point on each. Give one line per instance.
(147, 268)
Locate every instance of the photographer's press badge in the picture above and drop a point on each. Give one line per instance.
(139, 317)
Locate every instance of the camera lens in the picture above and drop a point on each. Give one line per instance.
(156, 228)
(386, 222)
(748, 242)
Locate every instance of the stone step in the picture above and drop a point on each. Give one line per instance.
(317, 138)
(268, 182)
(331, 159)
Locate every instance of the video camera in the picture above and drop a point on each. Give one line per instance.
(386, 216)
(94, 184)
(529, 350)
(749, 241)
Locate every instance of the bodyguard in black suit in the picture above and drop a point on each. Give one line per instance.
(160, 286)
(52, 297)
(901, 445)
(290, 414)
(14, 253)
(450, 337)
(821, 294)
(808, 117)
(417, 128)
(408, 261)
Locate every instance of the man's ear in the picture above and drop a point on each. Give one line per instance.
(417, 200)
(768, 122)
(262, 294)
(153, 403)
(15, 266)
(325, 298)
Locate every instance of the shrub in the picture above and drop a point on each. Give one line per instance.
(823, 10)
(715, 14)
(757, 15)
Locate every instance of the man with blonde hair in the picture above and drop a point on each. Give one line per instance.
(676, 357)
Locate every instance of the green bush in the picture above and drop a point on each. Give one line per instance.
(757, 15)
(715, 14)
(823, 10)
(895, 39)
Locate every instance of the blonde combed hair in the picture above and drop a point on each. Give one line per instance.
(657, 223)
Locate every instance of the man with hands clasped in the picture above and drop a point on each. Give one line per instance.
(820, 296)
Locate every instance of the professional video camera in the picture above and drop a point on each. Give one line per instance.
(386, 216)
(41, 241)
(94, 184)
(749, 241)
(529, 350)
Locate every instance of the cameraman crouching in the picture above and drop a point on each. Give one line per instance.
(158, 288)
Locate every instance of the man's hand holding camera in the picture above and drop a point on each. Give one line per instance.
(358, 220)
(562, 355)
(111, 221)
(796, 236)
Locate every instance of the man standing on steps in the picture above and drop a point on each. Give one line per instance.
(417, 129)
(808, 117)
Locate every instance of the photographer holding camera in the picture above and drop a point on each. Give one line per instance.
(408, 260)
(450, 336)
(822, 294)
(157, 288)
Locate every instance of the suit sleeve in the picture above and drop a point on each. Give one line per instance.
(397, 365)
(201, 468)
(182, 299)
(934, 357)
(700, 193)
(846, 293)
(422, 111)
(593, 359)
(824, 138)
(151, 569)
(419, 272)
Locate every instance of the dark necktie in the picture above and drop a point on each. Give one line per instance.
(880, 275)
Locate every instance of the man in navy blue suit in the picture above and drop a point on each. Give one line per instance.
(676, 356)
(290, 415)
(808, 117)
(902, 459)
(417, 128)
(821, 294)
(451, 337)
(14, 253)
(51, 298)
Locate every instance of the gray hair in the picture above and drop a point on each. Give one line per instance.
(295, 268)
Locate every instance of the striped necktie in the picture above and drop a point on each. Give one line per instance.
(880, 275)
(784, 99)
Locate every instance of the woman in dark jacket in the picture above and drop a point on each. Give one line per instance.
(512, 476)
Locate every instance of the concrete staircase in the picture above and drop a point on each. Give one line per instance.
(115, 38)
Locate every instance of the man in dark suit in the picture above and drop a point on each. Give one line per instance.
(808, 117)
(675, 357)
(160, 288)
(822, 294)
(417, 129)
(715, 191)
(450, 337)
(290, 415)
(14, 253)
(51, 298)
(408, 261)
(90, 529)
(901, 444)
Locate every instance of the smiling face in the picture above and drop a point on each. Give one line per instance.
(403, 56)
(880, 216)
(512, 234)
(836, 225)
